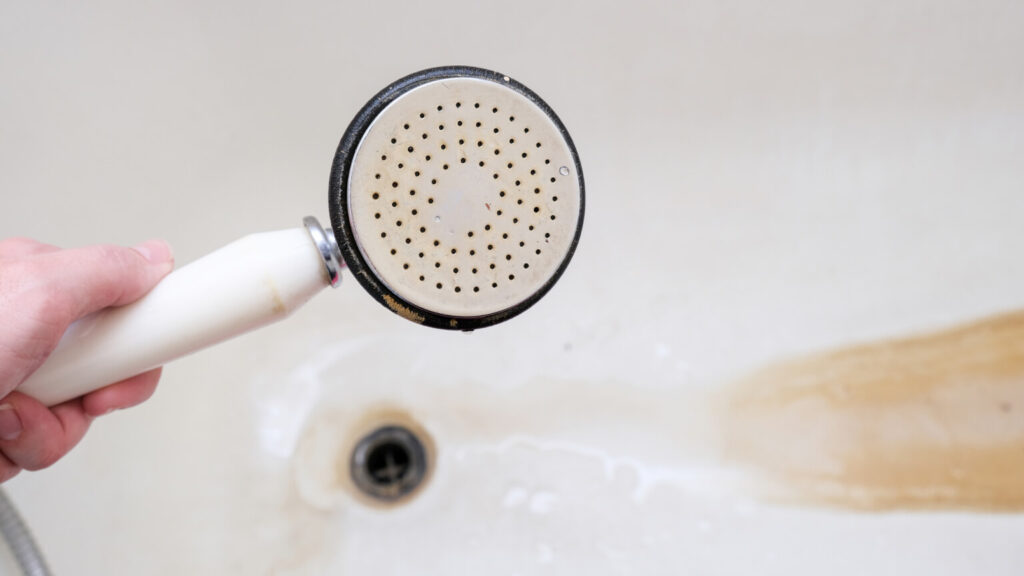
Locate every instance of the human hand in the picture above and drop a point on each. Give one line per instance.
(43, 289)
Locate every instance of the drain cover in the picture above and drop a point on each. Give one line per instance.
(389, 463)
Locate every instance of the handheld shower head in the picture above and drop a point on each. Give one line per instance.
(457, 197)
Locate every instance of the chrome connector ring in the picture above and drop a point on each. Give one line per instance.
(328, 248)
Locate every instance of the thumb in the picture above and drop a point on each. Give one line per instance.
(42, 294)
(83, 280)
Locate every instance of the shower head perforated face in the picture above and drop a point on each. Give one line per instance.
(457, 197)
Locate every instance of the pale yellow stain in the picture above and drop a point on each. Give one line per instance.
(277, 303)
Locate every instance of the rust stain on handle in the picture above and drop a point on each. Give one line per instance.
(927, 422)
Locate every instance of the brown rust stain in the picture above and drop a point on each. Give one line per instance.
(368, 421)
(928, 422)
(345, 428)
(403, 311)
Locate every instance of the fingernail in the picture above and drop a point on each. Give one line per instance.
(156, 251)
(10, 423)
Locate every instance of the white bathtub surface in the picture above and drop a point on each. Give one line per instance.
(764, 181)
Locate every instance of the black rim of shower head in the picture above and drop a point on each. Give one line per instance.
(339, 210)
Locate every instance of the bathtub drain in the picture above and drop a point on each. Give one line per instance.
(389, 463)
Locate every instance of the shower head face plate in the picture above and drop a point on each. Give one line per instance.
(457, 197)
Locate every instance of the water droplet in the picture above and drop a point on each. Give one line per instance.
(564, 170)
(437, 218)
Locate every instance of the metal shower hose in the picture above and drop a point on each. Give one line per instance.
(20, 540)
